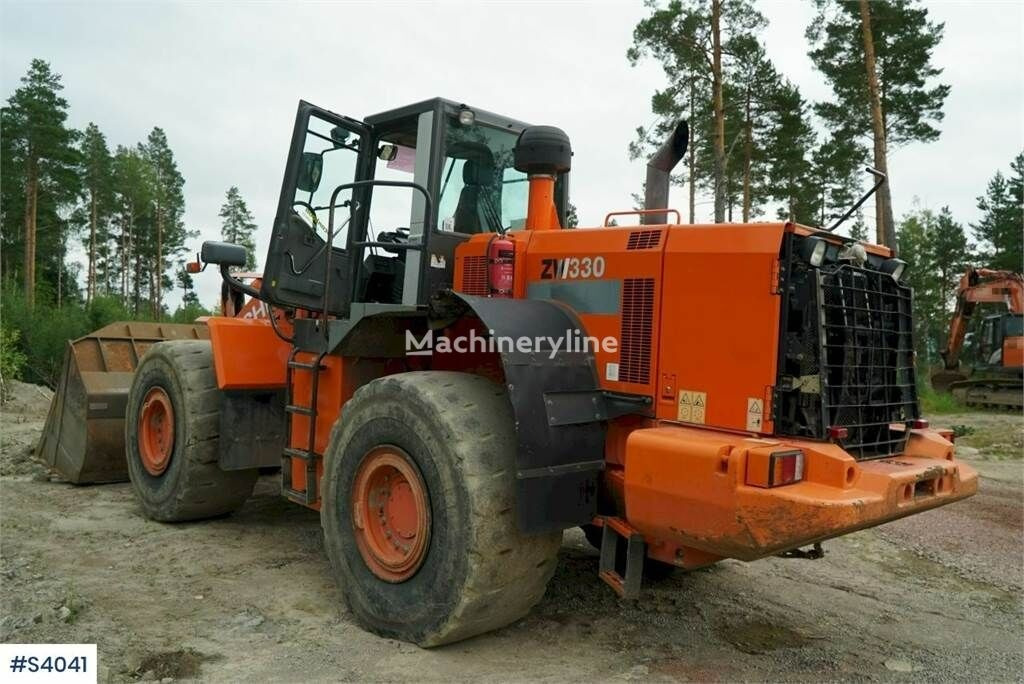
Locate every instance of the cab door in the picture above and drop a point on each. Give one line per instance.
(327, 152)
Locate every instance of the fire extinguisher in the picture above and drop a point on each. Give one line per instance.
(501, 257)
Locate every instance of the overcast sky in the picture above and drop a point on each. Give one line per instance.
(223, 81)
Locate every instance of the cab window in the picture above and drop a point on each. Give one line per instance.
(481, 191)
(329, 158)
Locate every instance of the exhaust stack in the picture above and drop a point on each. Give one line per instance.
(658, 169)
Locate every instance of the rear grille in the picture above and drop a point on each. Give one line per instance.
(643, 239)
(867, 359)
(474, 276)
(637, 321)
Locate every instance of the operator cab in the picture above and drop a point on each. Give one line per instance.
(393, 196)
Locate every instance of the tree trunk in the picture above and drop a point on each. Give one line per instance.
(90, 280)
(692, 161)
(885, 224)
(60, 275)
(719, 109)
(748, 154)
(157, 308)
(31, 201)
(136, 294)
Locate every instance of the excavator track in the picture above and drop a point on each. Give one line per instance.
(996, 394)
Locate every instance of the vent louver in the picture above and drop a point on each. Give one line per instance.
(643, 239)
(637, 322)
(474, 276)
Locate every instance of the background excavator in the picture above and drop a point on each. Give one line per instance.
(986, 367)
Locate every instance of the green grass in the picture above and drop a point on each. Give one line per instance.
(934, 403)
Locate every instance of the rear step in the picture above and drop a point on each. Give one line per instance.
(616, 531)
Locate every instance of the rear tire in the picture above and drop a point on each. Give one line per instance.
(189, 485)
(477, 571)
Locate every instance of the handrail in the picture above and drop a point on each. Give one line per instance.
(422, 245)
(644, 212)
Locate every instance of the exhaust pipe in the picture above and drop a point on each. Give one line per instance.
(658, 169)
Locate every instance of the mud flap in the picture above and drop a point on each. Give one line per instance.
(561, 450)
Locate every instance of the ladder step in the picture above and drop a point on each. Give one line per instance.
(301, 454)
(296, 496)
(626, 584)
(301, 410)
(305, 366)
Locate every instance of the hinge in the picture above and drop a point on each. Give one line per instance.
(775, 280)
(767, 419)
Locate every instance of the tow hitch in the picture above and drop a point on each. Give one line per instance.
(813, 553)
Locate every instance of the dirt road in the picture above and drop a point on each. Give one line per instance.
(934, 597)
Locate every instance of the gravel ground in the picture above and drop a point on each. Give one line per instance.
(934, 597)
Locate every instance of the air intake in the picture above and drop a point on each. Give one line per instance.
(644, 239)
(474, 276)
(635, 337)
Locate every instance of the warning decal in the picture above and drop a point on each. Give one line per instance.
(755, 414)
(692, 406)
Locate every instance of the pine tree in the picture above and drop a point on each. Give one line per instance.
(792, 170)
(98, 197)
(915, 240)
(836, 177)
(40, 160)
(699, 40)
(858, 229)
(133, 186)
(936, 251)
(572, 218)
(168, 232)
(238, 226)
(877, 58)
(1001, 229)
(189, 298)
(950, 255)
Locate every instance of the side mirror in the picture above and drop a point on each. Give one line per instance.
(387, 152)
(223, 254)
(311, 168)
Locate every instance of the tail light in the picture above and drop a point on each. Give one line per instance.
(774, 468)
(837, 432)
(501, 256)
(918, 424)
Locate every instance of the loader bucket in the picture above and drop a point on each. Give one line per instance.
(83, 439)
(942, 379)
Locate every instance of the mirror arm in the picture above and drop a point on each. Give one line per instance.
(237, 284)
(881, 179)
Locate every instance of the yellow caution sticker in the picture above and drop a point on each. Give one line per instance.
(693, 406)
(755, 414)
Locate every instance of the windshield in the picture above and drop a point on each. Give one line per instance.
(1013, 325)
(481, 192)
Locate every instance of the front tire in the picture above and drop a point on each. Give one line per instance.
(430, 553)
(172, 430)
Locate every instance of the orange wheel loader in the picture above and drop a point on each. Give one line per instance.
(456, 378)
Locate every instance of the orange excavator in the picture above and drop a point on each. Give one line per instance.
(456, 378)
(995, 352)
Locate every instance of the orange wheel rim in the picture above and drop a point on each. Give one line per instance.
(156, 431)
(390, 514)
